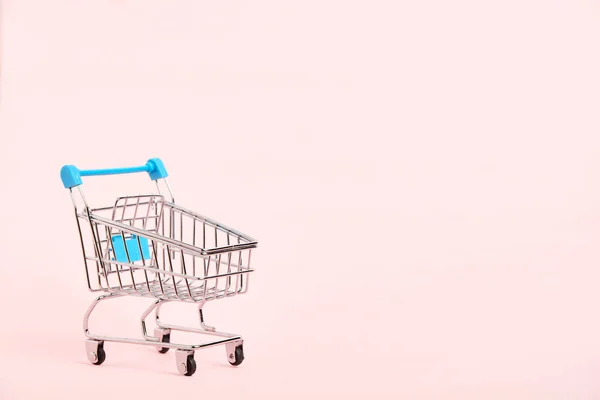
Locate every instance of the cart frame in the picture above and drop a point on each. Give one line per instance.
(122, 250)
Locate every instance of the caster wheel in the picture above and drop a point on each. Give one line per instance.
(166, 338)
(101, 356)
(96, 353)
(238, 355)
(191, 366)
(186, 365)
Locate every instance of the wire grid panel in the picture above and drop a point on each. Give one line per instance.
(145, 246)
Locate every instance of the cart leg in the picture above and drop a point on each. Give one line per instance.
(155, 304)
(86, 317)
(158, 305)
(161, 335)
(202, 324)
(94, 346)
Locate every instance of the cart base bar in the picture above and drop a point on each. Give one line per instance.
(161, 340)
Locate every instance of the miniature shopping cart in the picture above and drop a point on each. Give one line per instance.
(148, 246)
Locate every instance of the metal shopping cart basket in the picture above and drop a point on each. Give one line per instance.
(148, 246)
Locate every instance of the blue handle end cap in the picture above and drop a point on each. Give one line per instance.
(156, 169)
(70, 176)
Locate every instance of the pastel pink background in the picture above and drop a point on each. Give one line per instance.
(423, 178)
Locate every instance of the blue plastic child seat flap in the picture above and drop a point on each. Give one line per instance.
(133, 248)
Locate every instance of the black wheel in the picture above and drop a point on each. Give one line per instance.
(100, 355)
(238, 354)
(190, 366)
(165, 339)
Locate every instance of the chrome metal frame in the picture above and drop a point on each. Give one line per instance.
(172, 255)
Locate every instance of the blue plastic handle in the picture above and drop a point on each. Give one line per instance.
(71, 175)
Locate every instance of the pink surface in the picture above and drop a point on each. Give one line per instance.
(423, 178)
